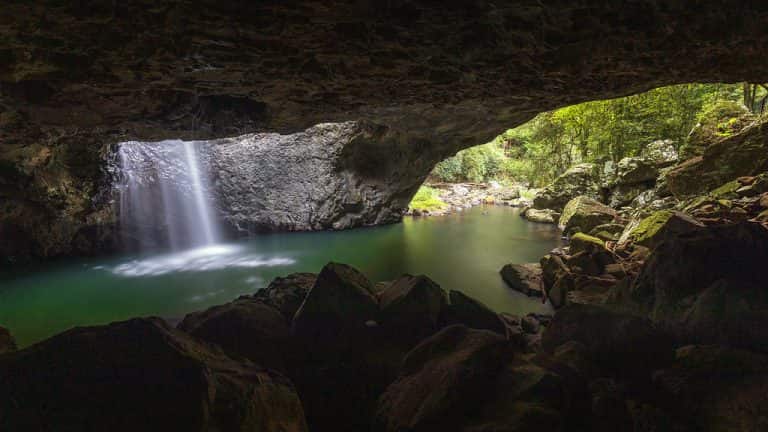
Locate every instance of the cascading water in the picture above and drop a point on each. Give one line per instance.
(165, 198)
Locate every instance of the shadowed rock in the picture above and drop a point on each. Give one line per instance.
(287, 293)
(140, 375)
(471, 313)
(7, 342)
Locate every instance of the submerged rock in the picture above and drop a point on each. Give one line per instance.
(7, 342)
(140, 375)
(525, 278)
(582, 214)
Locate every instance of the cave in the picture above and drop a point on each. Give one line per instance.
(143, 139)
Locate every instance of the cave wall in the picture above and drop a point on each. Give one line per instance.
(78, 76)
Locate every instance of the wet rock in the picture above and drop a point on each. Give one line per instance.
(661, 225)
(540, 216)
(620, 345)
(681, 279)
(525, 278)
(581, 179)
(443, 381)
(712, 388)
(469, 312)
(411, 307)
(140, 375)
(7, 341)
(287, 293)
(246, 328)
(742, 154)
(582, 214)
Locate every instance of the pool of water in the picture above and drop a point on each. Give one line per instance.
(461, 251)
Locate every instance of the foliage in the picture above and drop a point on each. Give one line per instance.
(427, 198)
(598, 131)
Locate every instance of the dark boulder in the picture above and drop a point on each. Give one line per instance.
(287, 293)
(710, 278)
(525, 278)
(140, 375)
(245, 327)
(471, 313)
(411, 308)
(7, 341)
(620, 345)
(338, 308)
(444, 381)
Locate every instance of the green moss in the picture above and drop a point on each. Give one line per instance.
(428, 199)
(583, 242)
(649, 227)
(727, 190)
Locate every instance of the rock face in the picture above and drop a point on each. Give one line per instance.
(217, 71)
(707, 285)
(743, 154)
(310, 180)
(140, 375)
(582, 214)
(582, 179)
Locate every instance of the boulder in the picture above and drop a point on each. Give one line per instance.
(411, 307)
(581, 242)
(581, 179)
(607, 232)
(624, 194)
(336, 310)
(661, 225)
(661, 153)
(287, 293)
(713, 388)
(620, 345)
(444, 381)
(530, 324)
(635, 170)
(540, 216)
(246, 328)
(742, 154)
(140, 375)
(582, 214)
(7, 342)
(707, 276)
(525, 278)
(471, 313)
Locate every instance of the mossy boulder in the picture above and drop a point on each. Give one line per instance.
(727, 191)
(650, 231)
(581, 242)
(581, 179)
(540, 216)
(743, 154)
(583, 213)
(607, 232)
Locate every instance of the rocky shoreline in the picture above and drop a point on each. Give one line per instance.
(463, 196)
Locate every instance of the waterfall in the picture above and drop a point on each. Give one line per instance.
(164, 196)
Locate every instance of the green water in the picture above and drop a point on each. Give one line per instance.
(462, 251)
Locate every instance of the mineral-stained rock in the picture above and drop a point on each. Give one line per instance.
(525, 278)
(661, 225)
(287, 293)
(140, 375)
(681, 279)
(411, 307)
(443, 381)
(471, 313)
(745, 153)
(7, 342)
(581, 179)
(621, 345)
(582, 214)
(246, 328)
